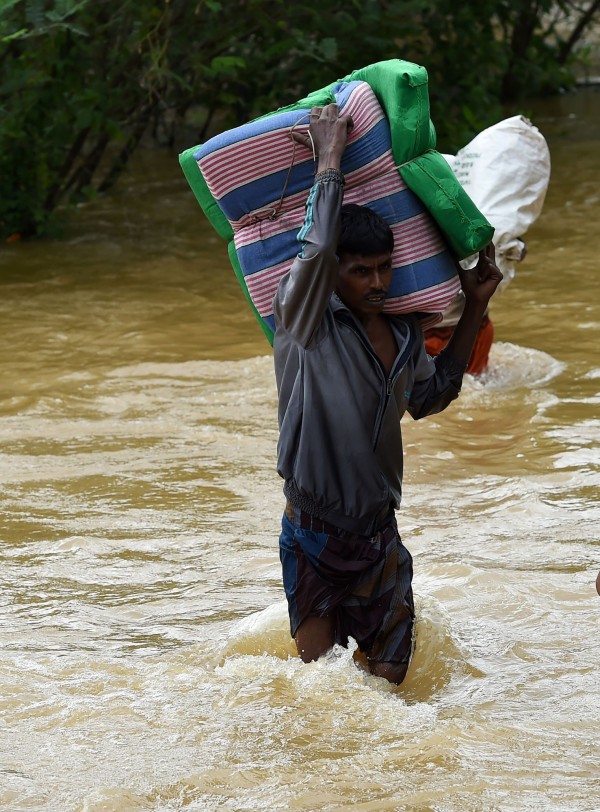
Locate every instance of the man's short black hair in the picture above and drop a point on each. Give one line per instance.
(363, 232)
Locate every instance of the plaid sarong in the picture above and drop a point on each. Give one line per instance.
(365, 582)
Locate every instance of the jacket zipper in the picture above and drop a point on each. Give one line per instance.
(388, 381)
(383, 405)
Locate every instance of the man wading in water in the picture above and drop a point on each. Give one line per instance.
(346, 373)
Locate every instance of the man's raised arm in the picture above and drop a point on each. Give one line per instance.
(303, 293)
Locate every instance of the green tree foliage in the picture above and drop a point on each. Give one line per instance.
(81, 81)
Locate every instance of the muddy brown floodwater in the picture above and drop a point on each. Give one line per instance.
(146, 662)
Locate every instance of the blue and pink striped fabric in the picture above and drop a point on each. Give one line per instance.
(260, 179)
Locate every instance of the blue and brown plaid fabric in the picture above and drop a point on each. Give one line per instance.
(365, 582)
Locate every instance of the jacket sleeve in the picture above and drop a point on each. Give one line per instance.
(438, 381)
(304, 292)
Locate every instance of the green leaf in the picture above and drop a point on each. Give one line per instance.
(15, 35)
(227, 64)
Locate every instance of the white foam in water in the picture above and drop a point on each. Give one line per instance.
(512, 366)
(436, 659)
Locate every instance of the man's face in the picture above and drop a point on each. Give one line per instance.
(363, 282)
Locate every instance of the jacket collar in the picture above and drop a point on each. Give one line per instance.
(399, 325)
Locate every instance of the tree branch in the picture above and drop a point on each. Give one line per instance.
(566, 48)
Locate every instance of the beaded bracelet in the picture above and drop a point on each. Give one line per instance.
(329, 174)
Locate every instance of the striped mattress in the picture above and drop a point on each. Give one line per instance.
(260, 179)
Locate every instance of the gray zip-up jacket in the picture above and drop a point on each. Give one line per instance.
(340, 442)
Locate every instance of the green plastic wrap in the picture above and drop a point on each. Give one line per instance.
(402, 91)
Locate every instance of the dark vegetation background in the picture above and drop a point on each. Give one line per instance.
(84, 82)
